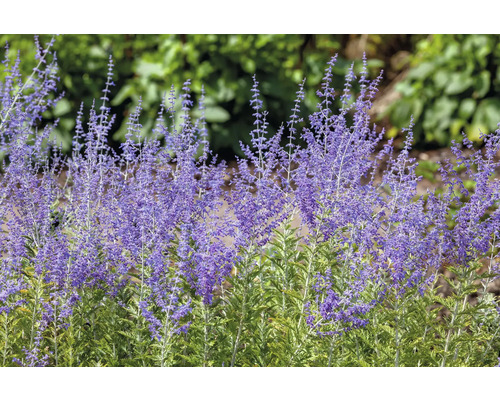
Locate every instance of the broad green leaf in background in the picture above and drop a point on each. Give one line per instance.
(452, 74)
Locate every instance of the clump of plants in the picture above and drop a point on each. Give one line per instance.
(142, 258)
(451, 87)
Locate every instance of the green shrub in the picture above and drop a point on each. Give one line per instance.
(452, 86)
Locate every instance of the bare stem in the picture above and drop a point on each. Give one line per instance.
(240, 326)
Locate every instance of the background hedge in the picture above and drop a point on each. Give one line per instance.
(449, 83)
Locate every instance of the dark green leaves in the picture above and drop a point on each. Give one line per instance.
(450, 89)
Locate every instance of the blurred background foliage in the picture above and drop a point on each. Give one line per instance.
(452, 86)
(449, 83)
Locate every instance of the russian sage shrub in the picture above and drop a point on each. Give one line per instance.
(309, 256)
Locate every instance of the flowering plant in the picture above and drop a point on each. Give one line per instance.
(308, 257)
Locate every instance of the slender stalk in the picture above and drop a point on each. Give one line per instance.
(205, 334)
(240, 326)
(141, 294)
(375, 330)
(247, 282)
(70, 341)
(453, 319)
(165, 344)
(286, 275)
(488, 346)
(464, 303)
(55, 336)
(263, 314)
(312, 253)
(311, 329)
(35, 310)
(94, 336)
(166, 335)
(42, 59)
(6, 337)
(332, 345)
(138, 325)
(397, 320)
(427, 329)
(448, 336)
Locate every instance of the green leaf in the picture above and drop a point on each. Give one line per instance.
(441, 78)
(405, 88)
(216, 114)
(458, 83)
(474, 131)
(97, 52)
(63, 107)
(149, 69)
(482, 84)
(249, 65)
(452, 51)
(422, 71)
(224, 93)
(456, 127)
(488, 114)
(439, 116)
(401, 113)
(467, 107)
(127, 91)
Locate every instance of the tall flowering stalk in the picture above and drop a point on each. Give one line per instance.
(337, 201)
(143, 257)
(29, 197)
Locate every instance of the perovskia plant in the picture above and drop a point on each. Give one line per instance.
(142, 257)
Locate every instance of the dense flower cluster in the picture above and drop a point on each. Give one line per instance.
(156, 220)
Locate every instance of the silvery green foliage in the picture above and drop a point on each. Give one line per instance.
(143, 257)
